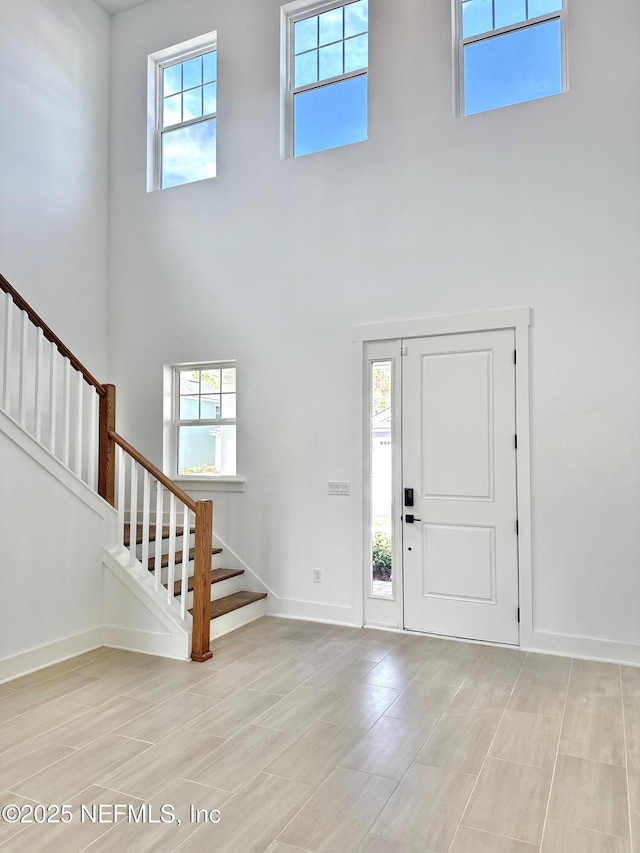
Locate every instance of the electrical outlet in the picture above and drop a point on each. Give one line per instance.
(317, 575)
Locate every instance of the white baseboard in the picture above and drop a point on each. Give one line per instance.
(311, 611)
(145, 642)
(26, 662)
(589, 648)
(288, 608)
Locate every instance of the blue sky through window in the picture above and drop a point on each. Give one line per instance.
(482, 16)
(326, 47)
(189, 153)
(518, 66)
(330, 116)
(189, 93)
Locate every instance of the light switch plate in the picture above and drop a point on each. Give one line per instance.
(339, 487)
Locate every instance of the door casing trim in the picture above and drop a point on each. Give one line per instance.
(518, 319)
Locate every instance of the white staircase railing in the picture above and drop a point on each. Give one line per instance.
(53, 397)
(151, 510)
(47, 391)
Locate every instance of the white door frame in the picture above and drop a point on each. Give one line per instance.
(518, 319)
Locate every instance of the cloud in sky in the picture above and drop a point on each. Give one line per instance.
(189, 153)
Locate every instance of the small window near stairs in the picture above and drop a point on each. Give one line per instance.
(201, 439)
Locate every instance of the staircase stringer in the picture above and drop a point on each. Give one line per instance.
(253, 581)
(136, 616)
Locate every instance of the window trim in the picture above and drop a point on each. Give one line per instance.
(460, 43)
(290, 14)
(172, 423)
(156, 63)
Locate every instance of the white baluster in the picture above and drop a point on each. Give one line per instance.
(66, 403)
(92, 444)
(146, 493)
(53, 397)
(8, 343)
(22, 374)
(133, 512)
(158, 549)
(79, 423)
(121, 491)
(38, 384)
(172, 548)
(185, 562)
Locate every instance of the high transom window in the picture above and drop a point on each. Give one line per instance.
(327, 49)
(185, 100)
(509, 51)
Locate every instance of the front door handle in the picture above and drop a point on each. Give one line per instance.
(411, 518)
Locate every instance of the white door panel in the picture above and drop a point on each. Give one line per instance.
(456, 428)
(460, 554)
(458, 562)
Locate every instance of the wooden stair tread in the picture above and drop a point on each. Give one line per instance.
(164, 558)
(152, 533)
(217, 575)
(232, 602)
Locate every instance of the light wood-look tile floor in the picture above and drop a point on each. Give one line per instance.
(306, 737)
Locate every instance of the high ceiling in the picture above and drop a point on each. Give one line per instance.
(115, 6)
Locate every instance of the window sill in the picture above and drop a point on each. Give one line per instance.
(210, 484)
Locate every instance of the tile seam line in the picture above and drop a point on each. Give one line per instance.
(319, 788)
(397, 782)
(457, 689)
(499, 835)
(555, 761)
(626, 760)
(504, 711)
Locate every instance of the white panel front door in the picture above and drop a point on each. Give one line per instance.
(459, 457)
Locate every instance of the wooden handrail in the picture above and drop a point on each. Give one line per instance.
(151, 468)
(50, 336)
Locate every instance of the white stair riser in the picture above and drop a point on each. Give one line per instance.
(165, 545)
(237, 618)
(219, 590)
(215, 564)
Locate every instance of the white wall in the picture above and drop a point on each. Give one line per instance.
(52, 575)
(273, 261)
(54, 79)
(54, 58)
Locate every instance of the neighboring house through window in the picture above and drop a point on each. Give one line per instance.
(508, 51)
(183, 95)
(202, 440)
(325, 50)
